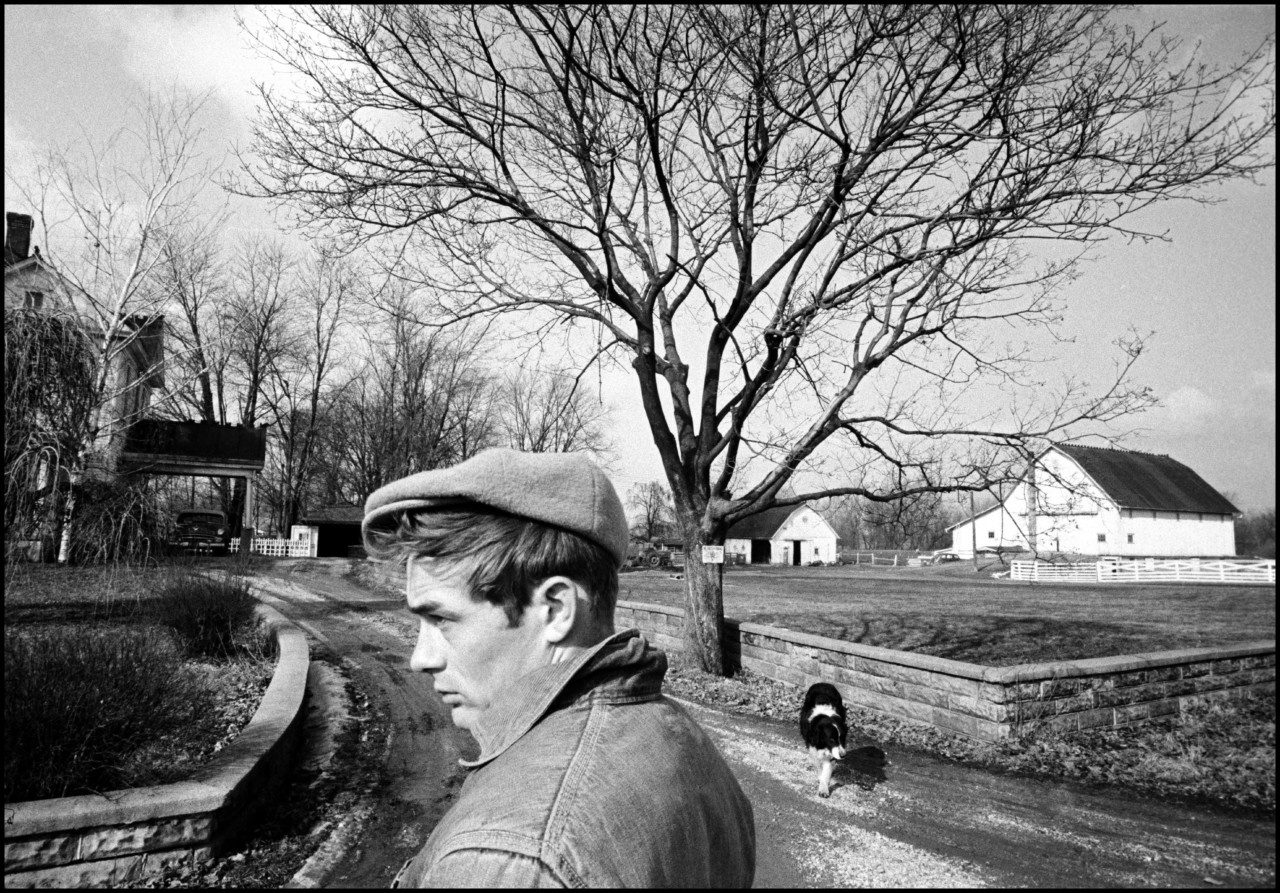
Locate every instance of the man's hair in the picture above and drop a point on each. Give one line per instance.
(504, 556)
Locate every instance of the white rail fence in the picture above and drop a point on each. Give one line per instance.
(278, 548)
(872, 558)
(1147, 570)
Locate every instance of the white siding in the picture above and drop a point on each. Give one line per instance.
(57, 295)
(997, 528)
(817, 538)
(1170, 534)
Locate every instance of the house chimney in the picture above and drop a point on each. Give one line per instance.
(17, 237)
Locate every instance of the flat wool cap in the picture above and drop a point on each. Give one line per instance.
(564, 490)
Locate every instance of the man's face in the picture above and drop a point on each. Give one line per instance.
(466, 644)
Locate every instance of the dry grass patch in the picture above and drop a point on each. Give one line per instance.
(951, 612)
(119, 678)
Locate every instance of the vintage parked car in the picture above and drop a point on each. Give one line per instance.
(943, 556)
(201, 531)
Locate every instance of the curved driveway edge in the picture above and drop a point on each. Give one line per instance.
(100, 840)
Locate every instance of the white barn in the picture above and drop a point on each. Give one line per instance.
(1093, 501)
(791, 534)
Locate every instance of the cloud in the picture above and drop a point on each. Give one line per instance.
(1249, 406)
(1186, 410)
(19, 160)
(1259, 400)
(196, 47)
(16, 141)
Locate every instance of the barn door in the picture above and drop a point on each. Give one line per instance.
(795, 552)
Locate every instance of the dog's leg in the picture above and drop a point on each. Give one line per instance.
(824, 777)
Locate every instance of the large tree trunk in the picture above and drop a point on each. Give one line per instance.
(703, 606)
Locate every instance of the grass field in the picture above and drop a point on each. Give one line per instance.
(951, 611)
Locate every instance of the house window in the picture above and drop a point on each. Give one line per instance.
(32, 300)
(991, 534)
(1102, 537)
(1131, 539)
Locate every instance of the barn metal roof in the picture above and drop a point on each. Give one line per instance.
(1148, 481)
(762, 525)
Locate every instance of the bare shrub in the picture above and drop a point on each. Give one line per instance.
(78, 701)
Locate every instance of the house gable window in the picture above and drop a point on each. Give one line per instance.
(991, 534)
(1131, 539)
(1102, 537)
(32, 300)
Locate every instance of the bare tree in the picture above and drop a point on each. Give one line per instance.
(421, 399)
(193, 275)
(297, 381)
(803, 225)
(913, 522)
(652, 514)
(551, 413)
(1256, 533)
(262, 303)
(106, 210)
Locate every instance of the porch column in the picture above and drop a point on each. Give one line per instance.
(246, 514)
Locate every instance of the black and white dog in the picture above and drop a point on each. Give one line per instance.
(822, 727)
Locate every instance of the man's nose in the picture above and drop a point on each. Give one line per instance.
(428, 656)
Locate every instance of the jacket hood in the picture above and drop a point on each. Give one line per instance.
(623, 667)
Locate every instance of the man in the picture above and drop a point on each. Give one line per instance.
(587, 775)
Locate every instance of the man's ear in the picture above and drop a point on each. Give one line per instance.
(561, 604)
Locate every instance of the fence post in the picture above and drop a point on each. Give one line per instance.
(895, 559)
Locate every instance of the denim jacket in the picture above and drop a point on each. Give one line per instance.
(589, 777)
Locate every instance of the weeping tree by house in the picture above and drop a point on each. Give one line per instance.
(49, 372)
(805, 227)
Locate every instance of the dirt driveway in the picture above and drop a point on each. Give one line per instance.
(906, 820)
(913, 820)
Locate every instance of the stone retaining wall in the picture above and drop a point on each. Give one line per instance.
(984, 703)
(101, 840)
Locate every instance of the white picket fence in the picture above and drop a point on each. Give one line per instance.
(1148, 570)
(278, 548)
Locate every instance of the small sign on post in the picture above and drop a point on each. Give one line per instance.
(713, 554)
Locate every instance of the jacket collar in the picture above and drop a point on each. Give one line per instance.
(623, 666)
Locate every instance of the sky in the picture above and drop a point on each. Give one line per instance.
(1208, 293)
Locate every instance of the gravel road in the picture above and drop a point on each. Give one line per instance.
(904, 819)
